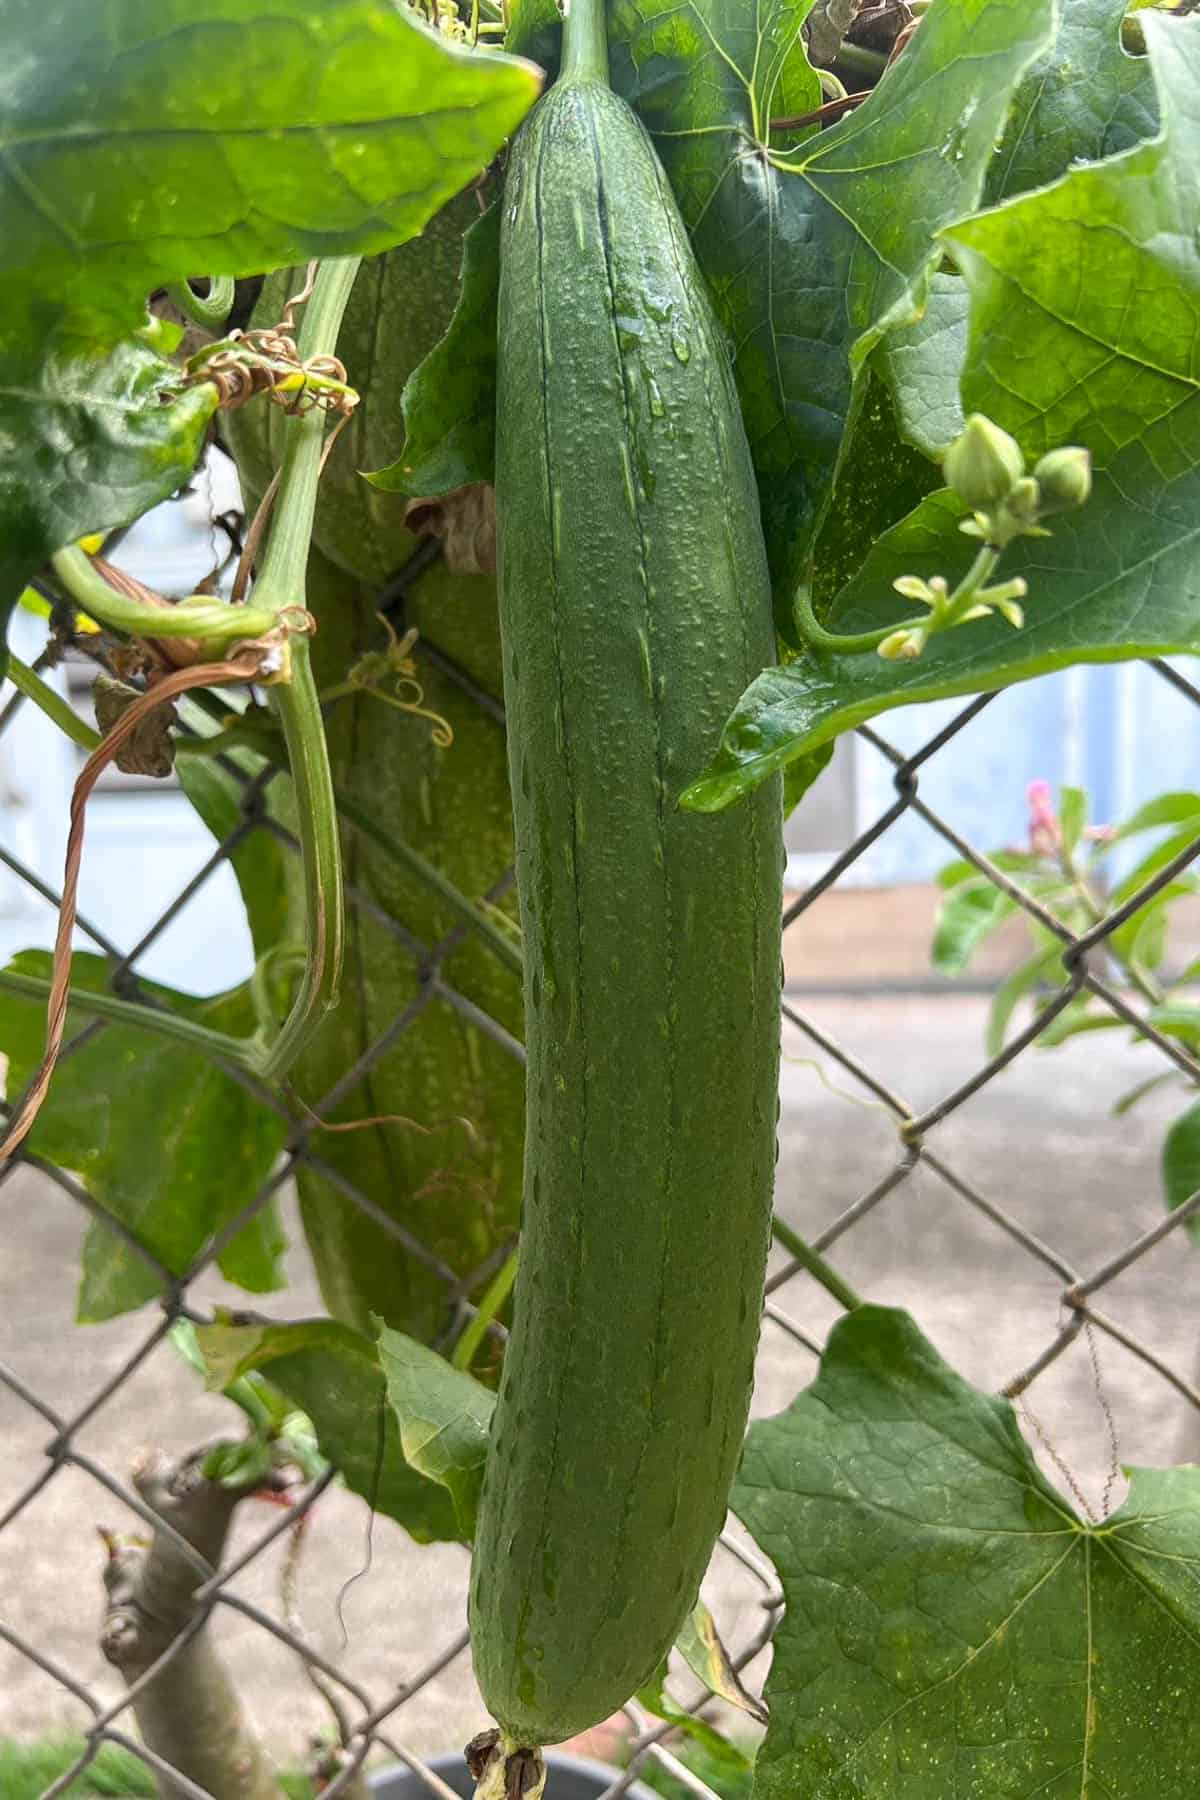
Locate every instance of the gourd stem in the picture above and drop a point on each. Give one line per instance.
(585, 43)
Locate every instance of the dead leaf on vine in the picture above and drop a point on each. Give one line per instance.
(465, 521)
(151, 749)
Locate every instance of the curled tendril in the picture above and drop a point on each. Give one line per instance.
(266, 361)
(379, 666)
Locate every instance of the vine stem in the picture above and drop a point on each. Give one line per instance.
(198, 616)
(856, 643)
(280, 590)
(280, 586)
(494, 1296)
(816, 1265)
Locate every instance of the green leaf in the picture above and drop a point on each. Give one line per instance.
(1142, 940)
(1175, 1020)
(1083, 100)
(1169, 847)
(808, 255)
(162, 1139)
(1077, 1020)
(1072, 815)
(88, 440)
(879, 482)
(443, 1415)
(259, 860)
(1013, 989)
(922, 362)
(332, 1374)
(654, 1697)
(449, 399)
(1084, 294)
(952, 1629)
(799, 776)
(243, 1466)
(966, 917)
(953, 874)
(143, 144)
(535, 30)
(1165, 809)
(1181, 1164)
(699, 1644)
(1134, 1095)
(1129, 590)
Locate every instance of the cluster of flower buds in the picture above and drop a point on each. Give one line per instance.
(947, 609)
(986, 469)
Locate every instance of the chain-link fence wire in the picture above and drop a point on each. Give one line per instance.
(375, 1719)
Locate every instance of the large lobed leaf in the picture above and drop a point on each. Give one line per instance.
(1084, 298)
(953, 1630)
(163, 1140)
(1084, 295)
(142, 144)
(1083, 100)
(809, 254)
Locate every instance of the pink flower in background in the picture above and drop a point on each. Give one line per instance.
(1044, 835)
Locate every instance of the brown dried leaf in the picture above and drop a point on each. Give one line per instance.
(465, 521)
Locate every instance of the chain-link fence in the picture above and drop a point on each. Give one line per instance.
(374, 1721)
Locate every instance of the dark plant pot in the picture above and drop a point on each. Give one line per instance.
(571, 1778)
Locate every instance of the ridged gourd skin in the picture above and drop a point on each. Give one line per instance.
(457, 1191)
(635, 607)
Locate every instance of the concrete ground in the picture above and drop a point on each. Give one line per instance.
(1040, 1141)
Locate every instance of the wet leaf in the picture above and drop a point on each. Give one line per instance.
(1084, 99)
(86, 443)
(143, 144)
(808, 254)
(1129, 590)
(450, 398)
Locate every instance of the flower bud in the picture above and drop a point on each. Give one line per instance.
(1064, 478)
(1024, 501)
(901, 646)
(983, 463)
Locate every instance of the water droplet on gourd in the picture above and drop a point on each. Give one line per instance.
(680, 347)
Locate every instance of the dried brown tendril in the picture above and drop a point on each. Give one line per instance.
(267, 361)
